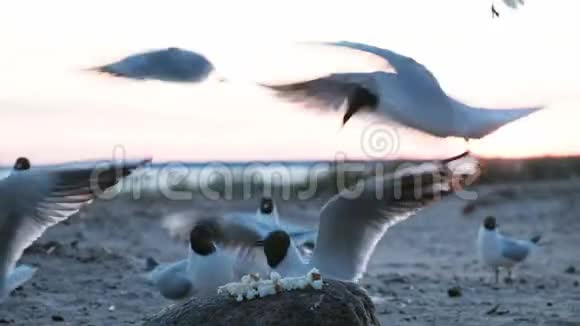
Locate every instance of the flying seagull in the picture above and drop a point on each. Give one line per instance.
(353, 221)
(410, 96)
(496, 250)
(34, 199)
(171, 65)
(514, 4)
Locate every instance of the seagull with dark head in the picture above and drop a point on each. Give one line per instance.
(498, 251)
(400, 90)
(216, 249)
(353, 221)
(34, 199)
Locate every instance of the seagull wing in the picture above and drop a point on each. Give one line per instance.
(514, 250)
(172, 64)
(32, 201)
(353, 222)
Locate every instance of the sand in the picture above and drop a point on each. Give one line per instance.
(90, 268)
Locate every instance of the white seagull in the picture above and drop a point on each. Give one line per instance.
(171, 65)
(353, 221)
(496, 250)
(407, 94)
(206, 268)
(34, 199)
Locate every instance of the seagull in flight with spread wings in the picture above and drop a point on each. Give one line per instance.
(400, 90)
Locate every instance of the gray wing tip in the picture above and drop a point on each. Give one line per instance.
(436, 179)
(109, 70)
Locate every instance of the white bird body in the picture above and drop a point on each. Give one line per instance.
(209, 272)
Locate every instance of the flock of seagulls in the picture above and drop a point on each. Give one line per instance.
(223, 248)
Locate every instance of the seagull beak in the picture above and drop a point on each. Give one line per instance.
(259, 243)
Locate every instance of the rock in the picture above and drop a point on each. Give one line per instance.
(337, 303)
(57, 318)
(454, 292)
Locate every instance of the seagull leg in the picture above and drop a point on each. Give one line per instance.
(494, 12)
(496, 275)
(509, 277)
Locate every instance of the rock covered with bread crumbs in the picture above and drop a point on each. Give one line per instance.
(252, 286)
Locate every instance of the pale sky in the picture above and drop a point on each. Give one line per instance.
(52, 110)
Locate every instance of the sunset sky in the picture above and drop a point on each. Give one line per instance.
(53, 111)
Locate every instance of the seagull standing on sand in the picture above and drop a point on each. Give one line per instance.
(35, 199)
(171, 65)
(353, 221)
(405, 92)
(496, 250)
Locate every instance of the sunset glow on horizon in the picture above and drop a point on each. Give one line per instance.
(53, 110)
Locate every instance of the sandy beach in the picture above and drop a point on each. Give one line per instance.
(90, 268)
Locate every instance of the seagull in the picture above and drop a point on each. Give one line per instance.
(208, 264)
(496, 250)
(218, 253)
(268, 208)
(172, 65)
(514, 4)
(353, 221)
(206, 267)
(34, 199)
(408, 94)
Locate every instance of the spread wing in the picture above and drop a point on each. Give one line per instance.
(353, 222)
(172, 64)
(330, 92)
(32, 201)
